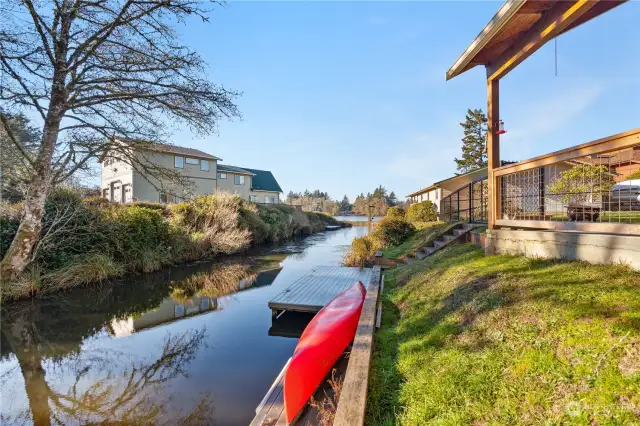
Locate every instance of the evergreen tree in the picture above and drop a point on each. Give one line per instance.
(473, 142)
(345, 205)
(392, 200)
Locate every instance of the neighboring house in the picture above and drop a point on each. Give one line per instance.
(121, 182)
(259, 186)
(264, 187)
(431, 193)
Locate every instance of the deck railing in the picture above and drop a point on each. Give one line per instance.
(467, 204)
(589, 187)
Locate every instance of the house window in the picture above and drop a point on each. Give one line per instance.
(192, 161)
(105, 193)
(436, 195)
(204, 165)
(179, 162)
(253, 198)
(166, 197)
(238, 180)
(221, 175)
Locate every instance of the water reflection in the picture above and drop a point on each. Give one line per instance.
(290, 324)
(106, 385)
(187, 345)
(107, 389)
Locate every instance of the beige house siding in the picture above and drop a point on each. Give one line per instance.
(131, 185)
(434, 195)
(116, 178)
(261, 196)
(143, 189)
(228, 185)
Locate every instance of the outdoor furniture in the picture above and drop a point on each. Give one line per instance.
(584, 213)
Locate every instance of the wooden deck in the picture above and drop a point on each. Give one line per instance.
(315, 289)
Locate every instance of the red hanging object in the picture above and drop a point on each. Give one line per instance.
(501, 129)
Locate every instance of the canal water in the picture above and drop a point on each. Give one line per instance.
(194, 344)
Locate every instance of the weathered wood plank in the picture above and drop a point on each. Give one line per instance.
(353, 397)
(314, 290)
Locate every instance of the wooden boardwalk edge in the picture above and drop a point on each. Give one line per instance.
(353, 397)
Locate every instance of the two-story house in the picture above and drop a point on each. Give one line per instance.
(121, 182)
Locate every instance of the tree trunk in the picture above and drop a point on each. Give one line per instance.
(19, 253)
(21, 334)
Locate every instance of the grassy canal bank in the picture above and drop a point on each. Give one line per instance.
(86, 240)
(474, 339)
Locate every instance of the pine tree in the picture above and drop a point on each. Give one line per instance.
(473, 142)
(392, 200)
(345, 205)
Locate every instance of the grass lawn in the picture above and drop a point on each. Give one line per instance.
(483, 340)
(622, 217)
(426, 232)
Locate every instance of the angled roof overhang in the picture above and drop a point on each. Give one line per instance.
(520, 27)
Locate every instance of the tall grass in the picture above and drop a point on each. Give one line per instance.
(90, 240)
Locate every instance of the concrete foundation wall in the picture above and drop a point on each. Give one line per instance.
(593, 248)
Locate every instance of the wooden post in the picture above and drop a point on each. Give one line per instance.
(493, 148)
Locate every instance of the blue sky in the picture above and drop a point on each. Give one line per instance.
(345, 96)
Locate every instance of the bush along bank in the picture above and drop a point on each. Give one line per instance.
(91, 239)
(398, 230)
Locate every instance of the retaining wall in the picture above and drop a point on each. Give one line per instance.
(593, 248)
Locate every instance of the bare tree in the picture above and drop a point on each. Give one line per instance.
(106, 77)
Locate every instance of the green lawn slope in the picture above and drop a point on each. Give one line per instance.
(469, 339)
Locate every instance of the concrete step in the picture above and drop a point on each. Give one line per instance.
(467, 226)
(421, 255)
(438, 243)
(459, 232)
(449, 238)
(409, 260)
(429, 250)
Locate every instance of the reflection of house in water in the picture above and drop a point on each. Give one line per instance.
(171, 310)
(168, 311)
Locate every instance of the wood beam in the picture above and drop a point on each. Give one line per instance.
(601, 146)
(493, 147)
(554, 22)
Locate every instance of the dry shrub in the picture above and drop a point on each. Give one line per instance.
(221, 280)
(362, 250)
(94, 267)
(328, 405)
(217, 218)
(29, 282)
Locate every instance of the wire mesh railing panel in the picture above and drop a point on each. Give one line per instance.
(601, 188)
(467, 204)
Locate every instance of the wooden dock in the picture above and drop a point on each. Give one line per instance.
(353, 371)
(314, 290)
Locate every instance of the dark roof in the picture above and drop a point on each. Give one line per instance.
(232, 169)
(263, 180)
(180, 150)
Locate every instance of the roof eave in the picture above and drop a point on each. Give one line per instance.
(504, 14)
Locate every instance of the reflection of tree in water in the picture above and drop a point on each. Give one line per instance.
(220, 281)
(118, 395)
(54, 328)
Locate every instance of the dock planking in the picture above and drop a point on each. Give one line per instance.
(314, 290)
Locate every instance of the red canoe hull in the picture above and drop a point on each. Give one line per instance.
(321, 344)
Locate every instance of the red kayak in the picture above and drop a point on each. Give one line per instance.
(321, 344)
